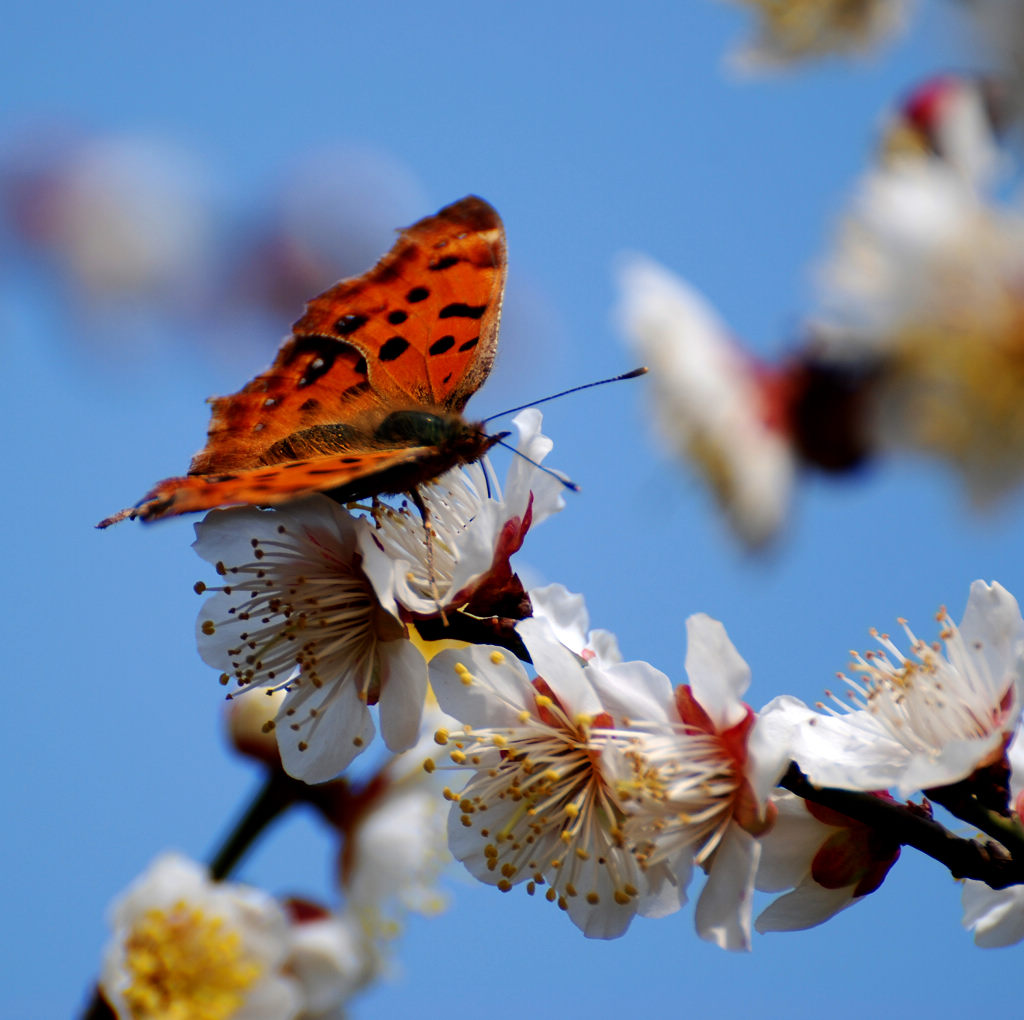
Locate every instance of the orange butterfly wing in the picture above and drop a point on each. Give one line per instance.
(418, 332)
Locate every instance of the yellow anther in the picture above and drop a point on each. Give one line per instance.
(570, 889)
(499, 741)
(543, 701)
(428, 765)
(593, 899)
(551, 895)
(572, 810)
(504, 885)
(582, 854)
(524, 716)
(441, 736)
(458, 757)
(621, 898)
(209, 627)
(497, 658)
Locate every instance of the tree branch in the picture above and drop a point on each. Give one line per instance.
(987, 862)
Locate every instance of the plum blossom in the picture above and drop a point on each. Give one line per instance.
(185, 946)
(924, 288)
(826, 860)
(475, 528)
(923, 721)
(695, 788)
(714, 405)
(539, 808)
(297, 613)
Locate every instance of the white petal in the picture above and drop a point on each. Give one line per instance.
(497, 694)
(789, 848)
(403, 690)
(341, 713)
(560, 668)
(724, 907)
(717, 672)
(808, 905)
(996, 915)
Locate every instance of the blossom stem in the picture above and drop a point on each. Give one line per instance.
(277, 794)
(966, 858)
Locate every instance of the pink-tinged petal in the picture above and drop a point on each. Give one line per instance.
(724, 908)
(808, 905)
(493, 693)
(789, 848)
(995, 915)
(340, 712)
(718, 674)
(403, 690)
(551, 659)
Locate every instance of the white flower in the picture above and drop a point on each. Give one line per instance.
(474, 529)
(925, 721)
(539, 808)
(792, 30)
(184, 946)
(297, 612)
(827, 860)
(696, 788)
(923, 288)
(997, 915)
(713, 404)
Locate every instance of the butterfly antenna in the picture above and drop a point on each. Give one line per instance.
(572, 486)
(575, 389)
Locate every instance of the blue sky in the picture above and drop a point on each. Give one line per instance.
(593, 131)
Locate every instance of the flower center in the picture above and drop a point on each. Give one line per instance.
(185, 965)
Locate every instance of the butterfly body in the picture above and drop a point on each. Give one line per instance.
(365, 397)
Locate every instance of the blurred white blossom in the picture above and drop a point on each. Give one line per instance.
(789, 31)
(714, 405)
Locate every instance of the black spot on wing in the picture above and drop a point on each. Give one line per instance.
(446, 263)
(393, 348)
(469, 345)
(324, 352)
(397, 317)
(417, 294)
(458, 310)
(348, 324)
(446, 343)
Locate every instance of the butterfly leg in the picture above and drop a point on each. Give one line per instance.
(417, 500)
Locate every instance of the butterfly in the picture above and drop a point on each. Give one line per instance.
(365, 397)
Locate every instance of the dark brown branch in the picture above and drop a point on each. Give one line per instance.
(987, 862)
